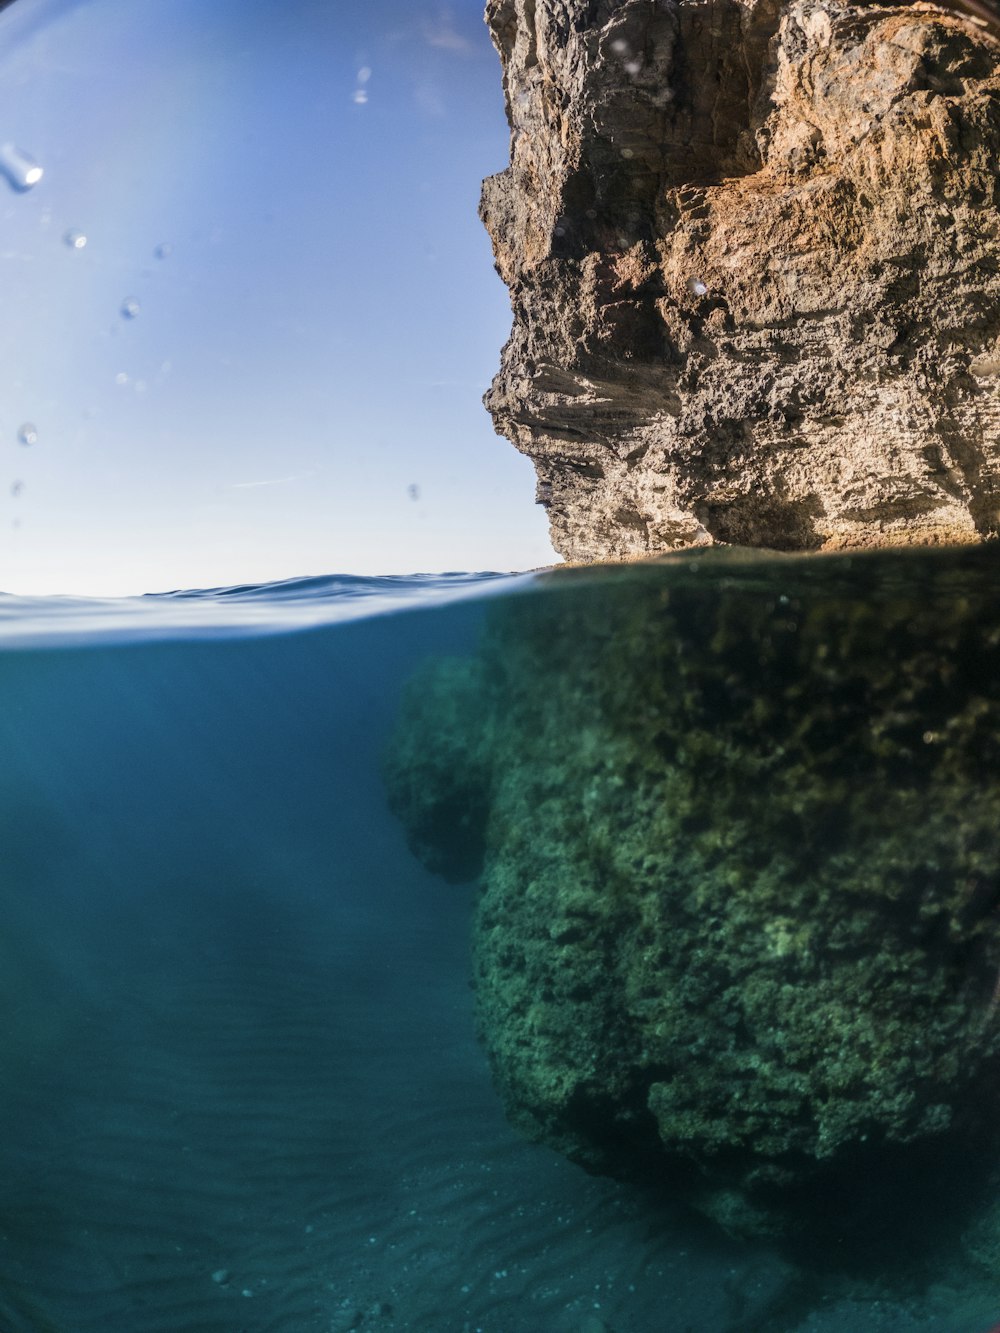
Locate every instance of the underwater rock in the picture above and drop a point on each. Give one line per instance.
(738, 927)
(438, 791)
(752, 251)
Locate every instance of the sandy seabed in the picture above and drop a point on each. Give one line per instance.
(273, 1117)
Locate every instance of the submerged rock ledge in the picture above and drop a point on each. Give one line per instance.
(752, 251)
(735, 825)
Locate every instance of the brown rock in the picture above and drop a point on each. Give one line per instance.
(754, 267)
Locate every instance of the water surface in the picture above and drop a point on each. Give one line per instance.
(242, 1085)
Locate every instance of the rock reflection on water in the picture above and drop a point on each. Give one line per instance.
(735, 820)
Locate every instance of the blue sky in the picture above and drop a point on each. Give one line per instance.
(267, 359)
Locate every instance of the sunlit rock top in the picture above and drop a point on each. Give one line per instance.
(753, 258)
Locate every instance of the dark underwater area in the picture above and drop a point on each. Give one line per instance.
(242, 1090)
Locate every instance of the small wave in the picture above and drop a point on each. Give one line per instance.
(241, 610)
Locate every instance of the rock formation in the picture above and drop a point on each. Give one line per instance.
(753, 258)
(739, 920)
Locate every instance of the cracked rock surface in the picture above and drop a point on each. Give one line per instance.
(753, 258)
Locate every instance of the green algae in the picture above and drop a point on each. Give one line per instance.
(438, 787)
(737, 829)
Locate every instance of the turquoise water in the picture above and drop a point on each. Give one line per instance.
(241, 1083)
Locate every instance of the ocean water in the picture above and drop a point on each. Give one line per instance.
(242, 1088)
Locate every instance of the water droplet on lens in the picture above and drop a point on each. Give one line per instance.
(16, 488)
(28, 434)
(413, 491)
(696, 287)
(121, 378)
(75, 240)
(130, 308)
(20, 169)
(364, 74)
(360, 96)
(163, 250)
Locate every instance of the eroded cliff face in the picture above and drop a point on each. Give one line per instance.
(754, 266)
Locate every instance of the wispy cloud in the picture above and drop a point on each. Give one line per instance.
(441, 33)
(270, 481)
(447, 39)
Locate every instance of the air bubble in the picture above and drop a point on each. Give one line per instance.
(696, 287)
(20, 169)
(76, 240)
(130, 308)
(28, 434)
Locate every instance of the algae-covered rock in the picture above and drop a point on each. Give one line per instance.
(438, 783)
(982, 1240)
(739, 917)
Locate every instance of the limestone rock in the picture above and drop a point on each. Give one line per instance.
(752, 251)
(739, 920)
